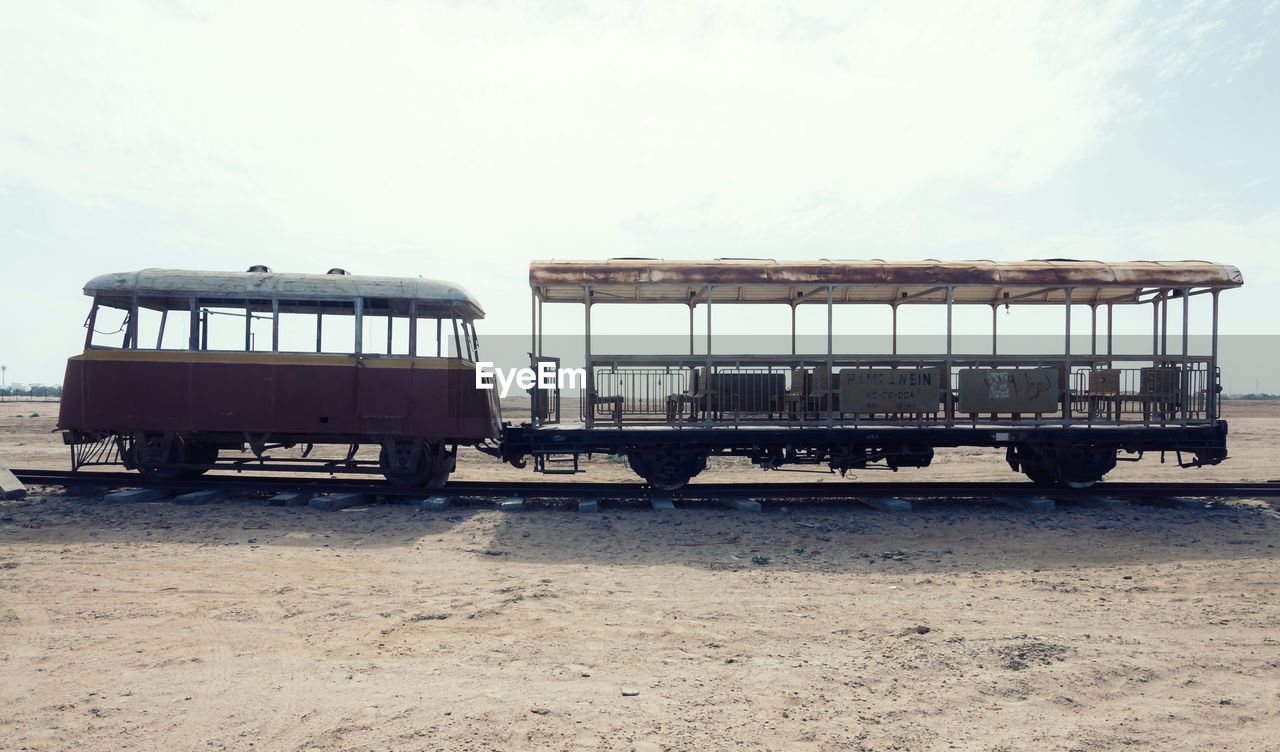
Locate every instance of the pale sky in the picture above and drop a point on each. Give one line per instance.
(461, 140)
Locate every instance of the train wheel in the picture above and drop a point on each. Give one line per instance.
(667, 471)
(411, 469)
(415, 465)
(154, 457)
(200, 454)
(1063, 466)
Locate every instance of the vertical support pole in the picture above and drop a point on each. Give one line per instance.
(894, 307)
(319, 330)
(706, 388)
(950, 403)
(93, 320)
(413, 329)
(193, 328)
(692, 305)
(1185, 376)
(439, 338)
(1155, 326)
(1111, 318)
(1164, 324)
(1213, 387)
(950, 298)
(793, 328)
(360, 326)
(131, 332)
(588, 419)
(390, 323)
(535, 328)
(1093, 328)
(539, 351)
(995, 328)
(275, 325)
(164, 319)
(831, 371)
(1066, 371)
(1066, 293)
(1186, 306)
(248, 328)
(204, 330)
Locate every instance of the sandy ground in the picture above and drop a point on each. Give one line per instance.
(813, 627)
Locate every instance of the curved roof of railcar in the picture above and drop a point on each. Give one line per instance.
(870, 281)
(172, 288)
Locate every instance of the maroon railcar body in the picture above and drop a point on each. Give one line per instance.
(198, 397)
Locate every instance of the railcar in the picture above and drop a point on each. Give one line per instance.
(1063, 416)
(179, 366)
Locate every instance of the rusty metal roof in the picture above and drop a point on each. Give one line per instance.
(869, 281)
(171, 288)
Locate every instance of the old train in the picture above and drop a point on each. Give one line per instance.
(291, 367)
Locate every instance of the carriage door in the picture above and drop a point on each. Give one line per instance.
(384, 370)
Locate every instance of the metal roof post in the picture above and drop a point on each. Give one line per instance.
(1213, 363)
(894, 337)
(275, 327)
(691, 306)
(413, 328)
(950, 401)
(1186, 305)
(1111, 317)
(193, 333)
(591, 377)
(360, 326)
(995, 328)
(248, 328)
(1155, 325)
(91, 322)
(1093, 328)
(1164, 324)
(1065, 387)
(793, 328)
(831, 373)
(131, 331)
(1185, 376)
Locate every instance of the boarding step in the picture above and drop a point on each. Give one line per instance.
(556, 463)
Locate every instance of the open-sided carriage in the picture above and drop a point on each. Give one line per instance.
(1062, 416)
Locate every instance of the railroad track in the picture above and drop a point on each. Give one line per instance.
(635, 491)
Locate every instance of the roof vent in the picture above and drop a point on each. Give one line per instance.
(336, 270)
(259, 269)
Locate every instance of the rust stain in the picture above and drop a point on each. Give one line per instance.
(1046, 273)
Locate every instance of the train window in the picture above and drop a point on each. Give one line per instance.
(385, 335)
(298, 330)
(338, 329)
(221, 328)
(236, 327)
(110, 327)
(260, 326)
(473, 343)
(163, 328)
(431, 338)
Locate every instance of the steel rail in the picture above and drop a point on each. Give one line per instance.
(838, 489)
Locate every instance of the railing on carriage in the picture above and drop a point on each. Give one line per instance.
(914, 390)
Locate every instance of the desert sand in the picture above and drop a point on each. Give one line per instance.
(806, 627)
